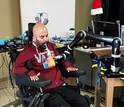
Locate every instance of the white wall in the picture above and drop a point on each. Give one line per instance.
(61, 14)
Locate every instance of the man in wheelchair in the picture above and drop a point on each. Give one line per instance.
(36, 63)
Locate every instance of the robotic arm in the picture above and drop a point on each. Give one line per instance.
(114, 42)
(80, 35)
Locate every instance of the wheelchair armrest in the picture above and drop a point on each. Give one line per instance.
(75, 73)
(26, 81)
(40, 83)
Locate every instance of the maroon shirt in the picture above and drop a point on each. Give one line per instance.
(30, 53)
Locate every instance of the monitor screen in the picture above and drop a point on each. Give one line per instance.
(108, 28)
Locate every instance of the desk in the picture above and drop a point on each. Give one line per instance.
(100, 52)
(111, 83)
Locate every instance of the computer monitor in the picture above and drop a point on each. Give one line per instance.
(108, 28)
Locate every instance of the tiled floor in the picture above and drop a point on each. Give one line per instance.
(7, 94)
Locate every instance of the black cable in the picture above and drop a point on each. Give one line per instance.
(10, 74)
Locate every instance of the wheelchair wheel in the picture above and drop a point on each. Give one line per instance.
(88, 99)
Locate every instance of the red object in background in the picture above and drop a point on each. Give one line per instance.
(96, 7)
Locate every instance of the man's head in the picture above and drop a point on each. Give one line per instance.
(40, 34)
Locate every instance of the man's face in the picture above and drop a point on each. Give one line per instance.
(41, 35)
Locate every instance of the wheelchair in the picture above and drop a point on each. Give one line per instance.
(31, 93)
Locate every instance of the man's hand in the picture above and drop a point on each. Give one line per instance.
(72, 69)
(35, 77)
